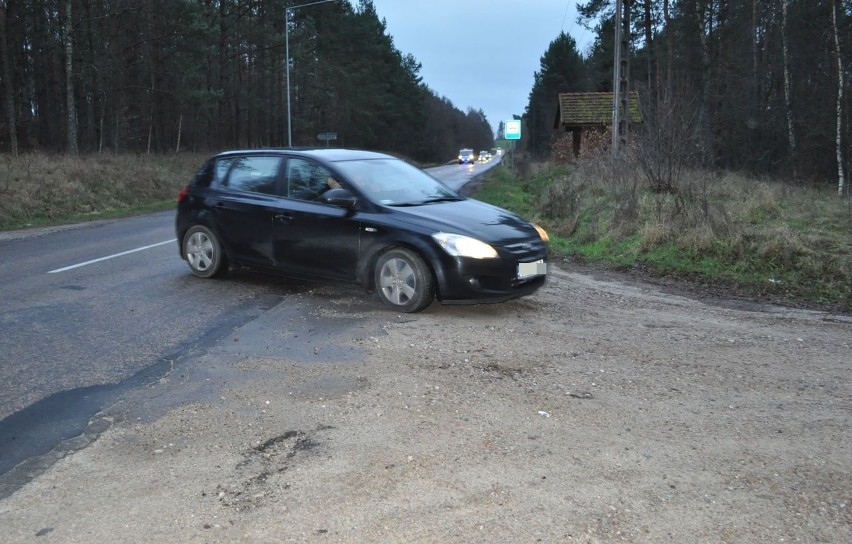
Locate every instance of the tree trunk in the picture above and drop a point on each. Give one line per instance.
(224, 117)
(101, 127)
(650, 47)
(180, 126)
(670, 46)
(8, 92)
(754, 50)
(69, 82)
(841, 174)
(788, 91)
(150, 116)
(704, 78)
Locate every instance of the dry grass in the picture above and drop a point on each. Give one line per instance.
(654, 234)
(771, 236)
(40, 188)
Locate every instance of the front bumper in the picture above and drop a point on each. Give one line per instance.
(475, 281)
(476, 295)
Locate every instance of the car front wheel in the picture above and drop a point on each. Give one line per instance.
(403, 281)
(203, 252)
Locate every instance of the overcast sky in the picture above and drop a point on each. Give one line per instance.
(481, 53)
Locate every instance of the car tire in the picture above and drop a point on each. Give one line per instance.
(403, 281)
(203, 252)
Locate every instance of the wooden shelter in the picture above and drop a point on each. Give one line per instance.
(584, 112)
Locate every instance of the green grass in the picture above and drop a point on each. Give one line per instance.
(504, 190)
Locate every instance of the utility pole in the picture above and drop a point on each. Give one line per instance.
(287, 60)
(621, 77)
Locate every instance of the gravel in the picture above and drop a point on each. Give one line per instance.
(596, 410)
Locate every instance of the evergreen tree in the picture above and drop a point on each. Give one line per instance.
(562, 70)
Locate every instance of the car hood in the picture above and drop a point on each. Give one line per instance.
(471, 218)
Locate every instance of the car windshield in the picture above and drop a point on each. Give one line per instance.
(393, 182)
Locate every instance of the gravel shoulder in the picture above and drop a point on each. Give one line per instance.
(595, 411)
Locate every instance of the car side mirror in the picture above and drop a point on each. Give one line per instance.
(339, 197)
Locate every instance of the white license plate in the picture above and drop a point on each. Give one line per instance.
(538, 268)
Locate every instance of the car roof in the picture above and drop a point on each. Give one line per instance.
(324, 153)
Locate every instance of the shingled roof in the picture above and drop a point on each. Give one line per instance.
(591, 109)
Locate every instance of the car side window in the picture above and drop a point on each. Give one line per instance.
(254, 174)
(307, 180)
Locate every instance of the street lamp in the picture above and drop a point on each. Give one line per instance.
(287, 62)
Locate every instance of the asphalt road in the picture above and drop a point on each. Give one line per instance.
(90, 313)
(458, 175)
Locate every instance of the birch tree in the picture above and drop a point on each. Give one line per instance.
(841, 175)
(788, 100)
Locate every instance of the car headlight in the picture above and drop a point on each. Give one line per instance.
(464, 246)
(541, 232)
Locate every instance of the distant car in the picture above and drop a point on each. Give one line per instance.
(466, 156)
(358, 218)
(483, 156)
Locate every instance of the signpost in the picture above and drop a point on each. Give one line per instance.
(512, 130)
(327, 137)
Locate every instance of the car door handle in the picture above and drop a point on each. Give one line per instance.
(282, 218)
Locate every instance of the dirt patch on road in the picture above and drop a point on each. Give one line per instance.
(594, 411)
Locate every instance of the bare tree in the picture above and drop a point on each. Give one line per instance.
(667, 142)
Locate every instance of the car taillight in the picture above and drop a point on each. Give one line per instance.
(183, 193)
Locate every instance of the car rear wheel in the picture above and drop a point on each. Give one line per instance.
(403, 281)
(203, 252)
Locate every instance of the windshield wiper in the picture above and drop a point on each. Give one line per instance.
(427, 201)
(441, 199)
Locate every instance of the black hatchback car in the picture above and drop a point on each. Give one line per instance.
(358, 218)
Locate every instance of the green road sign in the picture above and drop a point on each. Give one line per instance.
(512, 130)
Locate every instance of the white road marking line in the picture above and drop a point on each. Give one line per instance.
(73, 266)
